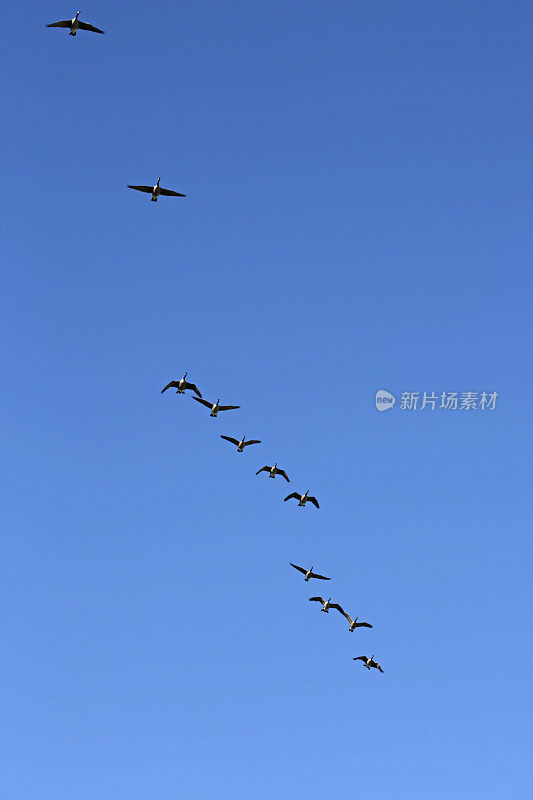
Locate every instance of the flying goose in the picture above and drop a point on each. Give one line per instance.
(74, 24)
(156, 190)
(181, 385)
(326, 605)
(274, 471)
(309, 573)
(303, 498)
(369, 662)
(215, 407)
(242, 444)
(353, 622)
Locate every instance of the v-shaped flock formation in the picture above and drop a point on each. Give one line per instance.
(183, 385)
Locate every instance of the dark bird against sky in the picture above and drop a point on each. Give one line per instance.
(309, 573)
(303, 498)
(74, 25)
(181, 386)
(273, 471)
(156, 190)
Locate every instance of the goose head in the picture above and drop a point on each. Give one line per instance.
(218, 401)
(312, 568)
(158, 181)
(77, 14)
(307, 492)
(275, 465)
(184, 376)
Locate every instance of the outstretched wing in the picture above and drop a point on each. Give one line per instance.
(170, 385)
(300, 569)
(193, 387)
(363, 625)
(289, 496)
(252, 441)
(263, 469)
(205, 403)
(342, 611)
(283, 474)
(320, 577)
(227, 408)
(229, 439)
(361, 658)
(63, 23)
(86, 27)
(378, 666)
(147, 189)
(170, 193)
(319, 599)
(313, 500)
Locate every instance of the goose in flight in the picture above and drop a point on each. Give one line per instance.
(215, 407)
(242, 444)
(156, 190)
(303, 498)
(326, 605)
(369, 662)
(353, 622)
(274, 471)
(309, 573)
(74, 25)
(181, 385)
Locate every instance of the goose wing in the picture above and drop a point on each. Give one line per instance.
(378, 666)
(319, 577)
(363, 625)
(170, 193)
(205, 403)
(170, 385)
(283, 474)
(147, 189)
(318, 599)
(263, 469)
(342, 611)
(252, 441)
(313, 500)
(227, 408)
(86, 27)
(63, 23)
(361, 658)
(300, 569)
(229, 439)
(193, 387)
(294, 494)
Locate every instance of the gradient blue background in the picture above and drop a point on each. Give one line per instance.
(358, 217)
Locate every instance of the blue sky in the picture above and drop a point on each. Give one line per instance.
(358, 180)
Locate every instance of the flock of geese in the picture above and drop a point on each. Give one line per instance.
(183, 385)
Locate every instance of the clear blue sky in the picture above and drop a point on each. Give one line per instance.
(358, 216)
